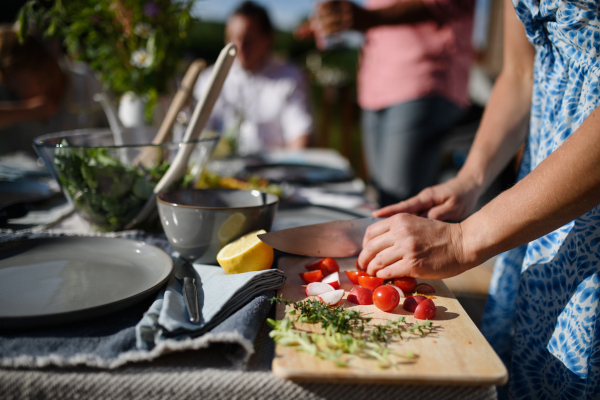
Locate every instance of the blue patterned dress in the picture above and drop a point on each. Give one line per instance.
(542, 313)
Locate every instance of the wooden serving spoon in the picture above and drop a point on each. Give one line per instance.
(183, 95)
(198, 121)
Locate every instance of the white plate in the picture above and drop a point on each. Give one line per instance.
(53, 281)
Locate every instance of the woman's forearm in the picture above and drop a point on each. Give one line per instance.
(563, 187)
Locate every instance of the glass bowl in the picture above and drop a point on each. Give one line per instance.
(109, 184)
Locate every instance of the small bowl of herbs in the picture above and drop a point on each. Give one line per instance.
(108, 183)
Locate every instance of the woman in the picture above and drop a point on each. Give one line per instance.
(543, 307)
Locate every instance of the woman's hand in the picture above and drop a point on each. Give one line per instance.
(450, 201)
(407, 245)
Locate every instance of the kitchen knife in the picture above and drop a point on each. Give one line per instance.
(329, 239)
(187, 276)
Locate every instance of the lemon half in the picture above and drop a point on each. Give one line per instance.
(246, 254)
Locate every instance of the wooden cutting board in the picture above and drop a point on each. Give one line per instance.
(455, 353)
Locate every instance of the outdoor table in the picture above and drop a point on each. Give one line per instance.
(204, 373)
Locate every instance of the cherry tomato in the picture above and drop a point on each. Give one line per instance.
(360, 295)
(326, 265)
(311, 276)
(370, 282)
(410, 303)
(329, 266)
(353, 275)
(406, 283)
(386, 298)
(425, 309)
(314, 265)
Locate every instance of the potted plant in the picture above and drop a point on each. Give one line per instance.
(132, 45)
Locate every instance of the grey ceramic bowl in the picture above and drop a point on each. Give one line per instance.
(200, 222)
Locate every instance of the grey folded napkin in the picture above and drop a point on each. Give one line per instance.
(219, 296)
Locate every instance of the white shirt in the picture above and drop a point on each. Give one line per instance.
(270, 106)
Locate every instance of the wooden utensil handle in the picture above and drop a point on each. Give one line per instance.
(179, 100)
(200, 116)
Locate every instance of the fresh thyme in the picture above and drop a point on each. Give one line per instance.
(419, 327)
(346, 332)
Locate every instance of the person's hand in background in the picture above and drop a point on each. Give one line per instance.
(332, 17)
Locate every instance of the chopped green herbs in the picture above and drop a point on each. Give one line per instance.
(347, 332)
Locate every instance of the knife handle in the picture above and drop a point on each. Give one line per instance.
(190, 297)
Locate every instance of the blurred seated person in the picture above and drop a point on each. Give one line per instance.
(264, 101)
(31, 82)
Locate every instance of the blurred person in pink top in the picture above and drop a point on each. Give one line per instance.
(412, 83)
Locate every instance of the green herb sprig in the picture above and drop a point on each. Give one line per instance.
(347, 332)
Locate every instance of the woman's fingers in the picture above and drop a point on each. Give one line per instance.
(376, 229)
(372, 248)
(444, 212)
(394, 270)
(415, 205)
(406, 245)
(385, 257)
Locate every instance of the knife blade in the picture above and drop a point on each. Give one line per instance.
(187, 276)
(328, 239)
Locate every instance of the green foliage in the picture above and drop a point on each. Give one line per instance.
(133, 45)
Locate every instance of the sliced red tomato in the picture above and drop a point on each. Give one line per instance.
(353, 275)
(329, 266)
(370, 282)
(406, 283)
(326, 265)
(425, 309)
(314, 265)
(386, 298)
(311, 276)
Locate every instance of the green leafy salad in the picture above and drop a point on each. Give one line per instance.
(109, 192)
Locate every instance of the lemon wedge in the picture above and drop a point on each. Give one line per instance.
(246, 254)
(231, 228)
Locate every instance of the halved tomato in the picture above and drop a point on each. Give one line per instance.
(353, 275)
(370, 282)
(406, 283)
(326, 265)
(314, 265)
(425, 309)
(329, 266)
(311, 276)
